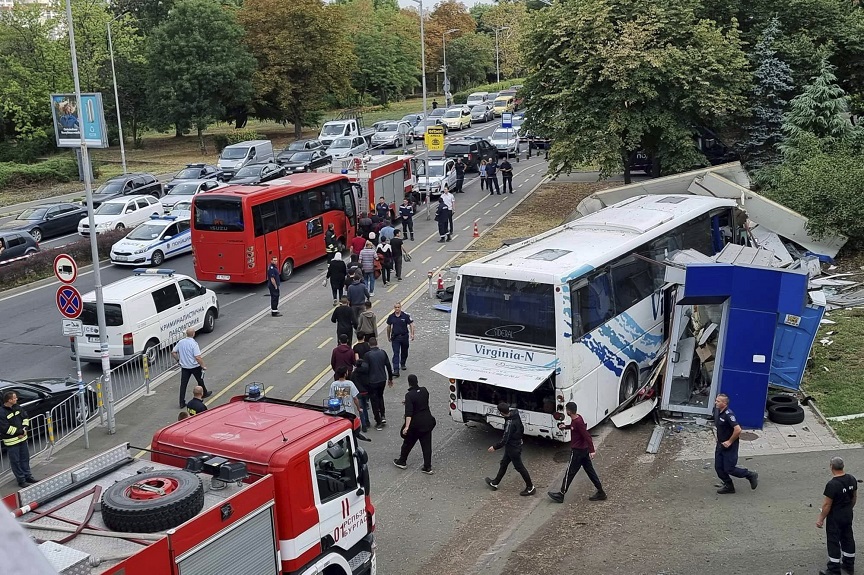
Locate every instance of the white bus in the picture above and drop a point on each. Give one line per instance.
(572, 314)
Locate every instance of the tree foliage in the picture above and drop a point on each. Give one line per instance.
(611, 77)
(470, 60)
(302, 53)
(198, 66)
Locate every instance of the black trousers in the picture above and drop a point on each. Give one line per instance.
(449, 221)
(841, 542)
(19, 460)
(726, 463)
(579, 458)
(442, 225)
(408, 228)
(185, 374)
(515, 456)
(492, 181)
(350, 335)
(338, 290)
(459, 183)
(397, 263)
(376, 397)
(274, 300)
(508, 181)
(411, 438)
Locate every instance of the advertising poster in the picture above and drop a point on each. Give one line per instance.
(70, 119)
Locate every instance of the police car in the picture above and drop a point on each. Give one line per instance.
(154, 241)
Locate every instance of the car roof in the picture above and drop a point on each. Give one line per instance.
(128, 175)
(125, 199)
(132, 286)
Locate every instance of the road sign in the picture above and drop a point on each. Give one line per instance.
(507, 120)
(435, 138)
(73, 327)
(65, 268)
(69, 301)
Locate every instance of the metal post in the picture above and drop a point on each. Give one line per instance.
(430, 288)
(425, 114)
(94, 247)
(497, 65)
(82, 400)
(116, 98)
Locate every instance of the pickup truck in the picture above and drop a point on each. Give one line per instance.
(342, 128)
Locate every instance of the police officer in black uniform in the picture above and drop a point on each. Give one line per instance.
(274, 280)
(726, 452)
(841, 494)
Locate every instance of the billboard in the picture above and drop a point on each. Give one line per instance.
(70, 119)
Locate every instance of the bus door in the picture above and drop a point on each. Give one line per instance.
(269, 229)
(350, 198)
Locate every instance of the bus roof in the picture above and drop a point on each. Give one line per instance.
(293, 183)
(577, 247)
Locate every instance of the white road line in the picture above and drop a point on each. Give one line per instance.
(409, 274)
(325, 342)
(423, 262)
(224, 305)
(296, 365)
(391, 288)
(440, 248)
(454, 236)
(496, 205)
(466, 227)
(486, 212)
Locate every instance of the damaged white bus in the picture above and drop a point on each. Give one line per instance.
(573, 314)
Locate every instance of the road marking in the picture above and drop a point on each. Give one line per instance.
(268, 390)
(409, 274)
(454, 236)
(426, 260)
(296, 365)
(394, 286)
(439, 249)
(486, 212)
(466, 227)
(520, 185)
(496, 205)
(325, 342)
(224, 305)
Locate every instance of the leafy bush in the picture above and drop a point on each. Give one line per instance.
(27, 150)
(462, 96)
(41, 265)
(235, 137)
(58, 169)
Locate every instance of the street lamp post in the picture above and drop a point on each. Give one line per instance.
(444, 46)
(497, 62)
(423, 73)
(116, 96)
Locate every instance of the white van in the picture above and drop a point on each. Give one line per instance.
(477, 98)
(150, 309)
(236, 156)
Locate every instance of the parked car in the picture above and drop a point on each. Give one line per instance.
(393, 134)
(306, 145)
(477, 98)
(506, 141)
(120, 213)
(185, 190)
(258, 173)
(435, 176)
(413, 119)
(471, 150)
(16, 245)
(307, 161)
(503, 103)
(47, 221)
(420, 129)
(126, 185)
(490, 97)
(457, 118)
(182, 209)
(195, 172)
(482, 113)
(235, 156)
(437, 113)
(154, 241)
(348, 147)
(41, 395)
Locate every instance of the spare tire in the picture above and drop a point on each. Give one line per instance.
(781, 399)
(786, 414)
(153, 501)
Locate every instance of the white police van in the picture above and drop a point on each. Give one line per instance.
(144, 312)
(154, 241)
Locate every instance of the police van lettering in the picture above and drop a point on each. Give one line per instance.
(178, 325)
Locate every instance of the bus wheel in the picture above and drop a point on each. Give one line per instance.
(287, 269)
(629, 385)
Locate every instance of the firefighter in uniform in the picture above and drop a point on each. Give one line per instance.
(13, 432)
(841, 494)
(726, 451)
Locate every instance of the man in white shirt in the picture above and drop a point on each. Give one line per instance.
(450, 202)
(188, 354)
(345, 391)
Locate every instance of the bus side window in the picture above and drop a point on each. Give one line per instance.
(313, 200)
(632, 280)
(592, 304)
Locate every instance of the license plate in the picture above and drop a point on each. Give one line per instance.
(223, 277)
(121, 258)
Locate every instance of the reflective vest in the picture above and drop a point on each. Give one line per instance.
(13, 422)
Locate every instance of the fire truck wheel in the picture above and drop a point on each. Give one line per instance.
(153, 501)
(786, 414)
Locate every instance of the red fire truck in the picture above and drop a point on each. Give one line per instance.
(258, 486)
(391, 177)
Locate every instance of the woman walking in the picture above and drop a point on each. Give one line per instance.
(367, 264)
(385, 254)
(336, 272)
(482, 170)
(419, 423)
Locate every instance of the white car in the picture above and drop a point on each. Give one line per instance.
(185, 189)
(182, 209)
(153, 242)
(122, 212)
(437, 176)
(506, 141)
(347, 147)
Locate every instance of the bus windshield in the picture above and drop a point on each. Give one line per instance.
(218, 214)
(508, 310)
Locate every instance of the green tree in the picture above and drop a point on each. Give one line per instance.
(510, 19)
(470, 59)
(303, 56)
(772, 85)
(198, 66)
(611, 77)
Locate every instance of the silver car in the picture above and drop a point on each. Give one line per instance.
(347, 147)
(393, 134)
(482, 113)
(506, 140)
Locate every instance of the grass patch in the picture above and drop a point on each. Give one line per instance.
(546, 208)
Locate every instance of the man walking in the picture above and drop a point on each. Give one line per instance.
(400, 327)
(342, 355)
(368, 322)
(399, 251)
(380, 375)
(419, 423)
(507, 174)
(367, 264)
(726, 451)
(460, 175)
(841, 494)
(345, 391)
(331, 242)
(346, 323)
(360, 377)
(274, 280)
(450, 204)
(14, 425)
(196, 405)
(581, 454)
(406, 212)
(492, 176)
(188, 354)
(511, 443)
(358, 295)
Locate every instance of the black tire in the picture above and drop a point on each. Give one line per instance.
(786, 414)
(781, 399)
(629, 385)
(120, 226)
(157, 258)
(287, 269)
(36, 234)
(209, 321)
(121, 511)
(151, 350)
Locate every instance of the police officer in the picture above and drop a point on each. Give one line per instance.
(274, 280)
(507, 174)
(460, 176)
(841, 494)
(14, 426)
(726, 451)
(406, 212)
(331, 242)
(400, 327)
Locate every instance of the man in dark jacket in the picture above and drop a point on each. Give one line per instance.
(460, 176)
(331, 242)
(581, 454)
(342, 355)
(360, 377)
(511, 443)
(357, 294)
(380, 374)
(14, 426)
(346, 323)
(419, 423)
(365, 224)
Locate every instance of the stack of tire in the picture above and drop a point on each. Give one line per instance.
(783, 409)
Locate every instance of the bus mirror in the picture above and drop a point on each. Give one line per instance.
(359, 189)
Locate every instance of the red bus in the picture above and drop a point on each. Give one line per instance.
(237, 229)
